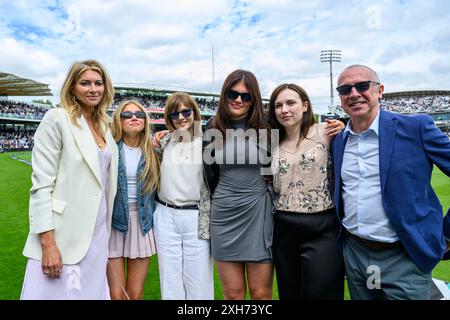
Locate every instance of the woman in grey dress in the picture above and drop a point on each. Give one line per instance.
(241, 212)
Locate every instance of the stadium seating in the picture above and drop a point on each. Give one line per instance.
(154, 102)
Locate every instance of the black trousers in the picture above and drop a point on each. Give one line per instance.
(308, 263)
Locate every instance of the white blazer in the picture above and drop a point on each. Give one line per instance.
(66, 185)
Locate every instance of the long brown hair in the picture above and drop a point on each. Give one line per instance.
(255, 117)
(151, 172)
(307, 119)
(70, 103)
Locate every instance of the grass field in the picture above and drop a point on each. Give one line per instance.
(14, 185)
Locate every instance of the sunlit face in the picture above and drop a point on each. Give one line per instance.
(89, 89)
(238, 109)
(360, 105)
(133, 126)
(289, 108)
(182, 122)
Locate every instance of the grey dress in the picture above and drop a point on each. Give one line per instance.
(241, 211)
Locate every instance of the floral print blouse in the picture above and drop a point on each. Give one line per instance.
(303, 179)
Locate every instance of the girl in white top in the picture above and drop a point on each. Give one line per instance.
(184, 254)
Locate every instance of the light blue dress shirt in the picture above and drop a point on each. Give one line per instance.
(361, 190)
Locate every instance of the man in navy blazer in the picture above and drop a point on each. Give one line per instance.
(393, 232)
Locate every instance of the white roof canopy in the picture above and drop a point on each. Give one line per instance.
(11, 85)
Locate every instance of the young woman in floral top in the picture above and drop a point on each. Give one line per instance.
(307, 260)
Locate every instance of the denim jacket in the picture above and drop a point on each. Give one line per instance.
(145, 202)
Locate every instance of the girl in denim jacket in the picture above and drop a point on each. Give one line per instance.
(132, 241)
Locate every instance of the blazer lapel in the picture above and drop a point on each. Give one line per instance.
(113, 173)
(387, 129)
(122, 183)
(113, 168)
(88, 149)
(338, 155)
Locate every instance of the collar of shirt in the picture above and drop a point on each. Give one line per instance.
(373, 127)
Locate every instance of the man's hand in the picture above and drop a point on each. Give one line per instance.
(333, 127)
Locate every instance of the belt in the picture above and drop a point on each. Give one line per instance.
(190, 207)
(374, 245)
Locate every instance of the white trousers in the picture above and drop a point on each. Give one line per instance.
(185, 261)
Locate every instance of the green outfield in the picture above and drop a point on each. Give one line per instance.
(14, 185)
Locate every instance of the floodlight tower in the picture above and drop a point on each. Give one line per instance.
(331, 56)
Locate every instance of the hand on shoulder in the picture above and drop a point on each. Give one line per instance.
(157, 137)
(333, 127)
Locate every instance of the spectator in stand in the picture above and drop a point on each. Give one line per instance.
(420, 104)
(417, 104)
(21, 109)
(153, 101)
(16, 139)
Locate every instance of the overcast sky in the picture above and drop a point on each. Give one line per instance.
(169, 42)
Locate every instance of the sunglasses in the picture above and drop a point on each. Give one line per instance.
(361, 87)
(129, 114)
(186, 113)
(233, 95)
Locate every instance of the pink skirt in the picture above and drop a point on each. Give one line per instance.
(134, 244)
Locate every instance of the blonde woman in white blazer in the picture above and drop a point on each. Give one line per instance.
(74, 179)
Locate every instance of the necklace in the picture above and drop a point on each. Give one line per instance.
(98, 139)
(99, 142)
(290, 151)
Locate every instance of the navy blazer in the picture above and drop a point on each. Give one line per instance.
(409, 146)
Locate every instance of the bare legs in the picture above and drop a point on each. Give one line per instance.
(133, 285)
(233, 278)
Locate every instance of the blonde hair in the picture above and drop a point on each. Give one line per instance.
(151, 172)
(70, 103)
(174, 102)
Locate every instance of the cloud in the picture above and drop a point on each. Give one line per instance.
(27, 60)
(440, 66)
(169, 42)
